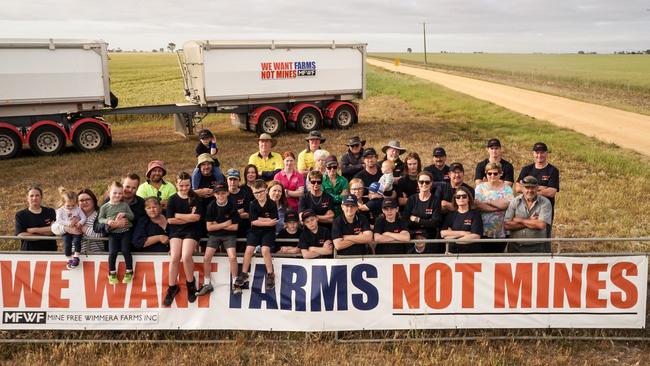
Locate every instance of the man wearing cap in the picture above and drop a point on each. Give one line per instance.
(242, 199)
(155, 186)
(370, 172)
(547, 175)
(268, 163)
(456, 180)
(528, 216)
(205, 176)
(315, 240)
(352, 160)
(392, 152)
(494, 156)
(306, 157)
(439, 169)
(351, 232)
(221, 219)
(391, 231)
(334, 184)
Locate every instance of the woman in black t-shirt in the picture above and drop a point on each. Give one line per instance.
(35, 220)
(423, 212)
(151, 234)
(463, 223)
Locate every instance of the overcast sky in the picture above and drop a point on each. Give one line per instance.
(386, 25)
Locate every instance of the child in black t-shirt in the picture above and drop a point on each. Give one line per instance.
(221, 220)
(207, 144)
(263, 215)
(315, 240)
(291, 231)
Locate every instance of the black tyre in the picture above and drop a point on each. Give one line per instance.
(47, 140)
(270, 122)
(89, 137)
(344, 117)
(10, 144)
(309, 120)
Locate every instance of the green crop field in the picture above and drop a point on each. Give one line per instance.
(602, 193)
(621, 81)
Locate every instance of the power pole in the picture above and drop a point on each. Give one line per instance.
(424, 34)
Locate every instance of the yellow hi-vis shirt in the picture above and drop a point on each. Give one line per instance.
(273, 162)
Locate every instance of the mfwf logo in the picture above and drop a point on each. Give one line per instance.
(24, 317)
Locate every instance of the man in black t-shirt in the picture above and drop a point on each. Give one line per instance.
(241, 197)
(548, 177)
(391, 231)
(315, 240)
(316, 200)
(370, 173)
(351, 232)
(439, 169)
(494, 150)
(456, 180)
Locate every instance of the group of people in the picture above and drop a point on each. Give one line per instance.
(352, 205)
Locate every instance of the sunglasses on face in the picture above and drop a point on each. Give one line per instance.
(461, 196)
(493, 173)
(333, 167)
(315, 181)
(355, 145)
(423, 182)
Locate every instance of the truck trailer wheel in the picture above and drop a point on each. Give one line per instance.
(309, 120)
(10, 144)
(89, 137)
(344, 117)
(269, 122)
(47, 140)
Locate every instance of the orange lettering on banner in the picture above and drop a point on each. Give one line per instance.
(144, 274)
(468, 270)
(56, 284)
(520, 283)
(403, 287)
(630, 290)
(32, 289)
(543, 275)
(96, 286)
(567, 285)
(594, 285)
(431, 285)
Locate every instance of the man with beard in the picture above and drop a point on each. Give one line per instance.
(155, 186)
(527, 216)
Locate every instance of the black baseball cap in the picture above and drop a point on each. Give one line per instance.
(493, 142)
(456, 166)
(205, 134)
(389, 203)
(291, 216)
(350, 200)
(307, 214)
(439, 151)
(369, 151)
(540, 146)
(219, 187)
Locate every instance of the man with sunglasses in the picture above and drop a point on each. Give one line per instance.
(352, 160)
(318, 201)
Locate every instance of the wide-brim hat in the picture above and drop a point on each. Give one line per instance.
(156, 164)
(266, 136)
(204, 158)
(393, 144)
(355, 140)
(315, 135)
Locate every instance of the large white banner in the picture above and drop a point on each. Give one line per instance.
(38, 292)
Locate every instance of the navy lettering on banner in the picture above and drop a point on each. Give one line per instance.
(257, 296)
(294, 280)
(334, 286)
(370, 291)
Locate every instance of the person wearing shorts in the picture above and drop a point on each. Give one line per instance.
(222, 219)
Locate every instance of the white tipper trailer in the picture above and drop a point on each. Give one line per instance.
(44, 85)
(270, 85)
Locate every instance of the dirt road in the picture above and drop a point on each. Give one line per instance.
(626, 129)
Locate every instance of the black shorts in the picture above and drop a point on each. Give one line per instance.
(228, 241)
(185, 235)
(263, 238)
